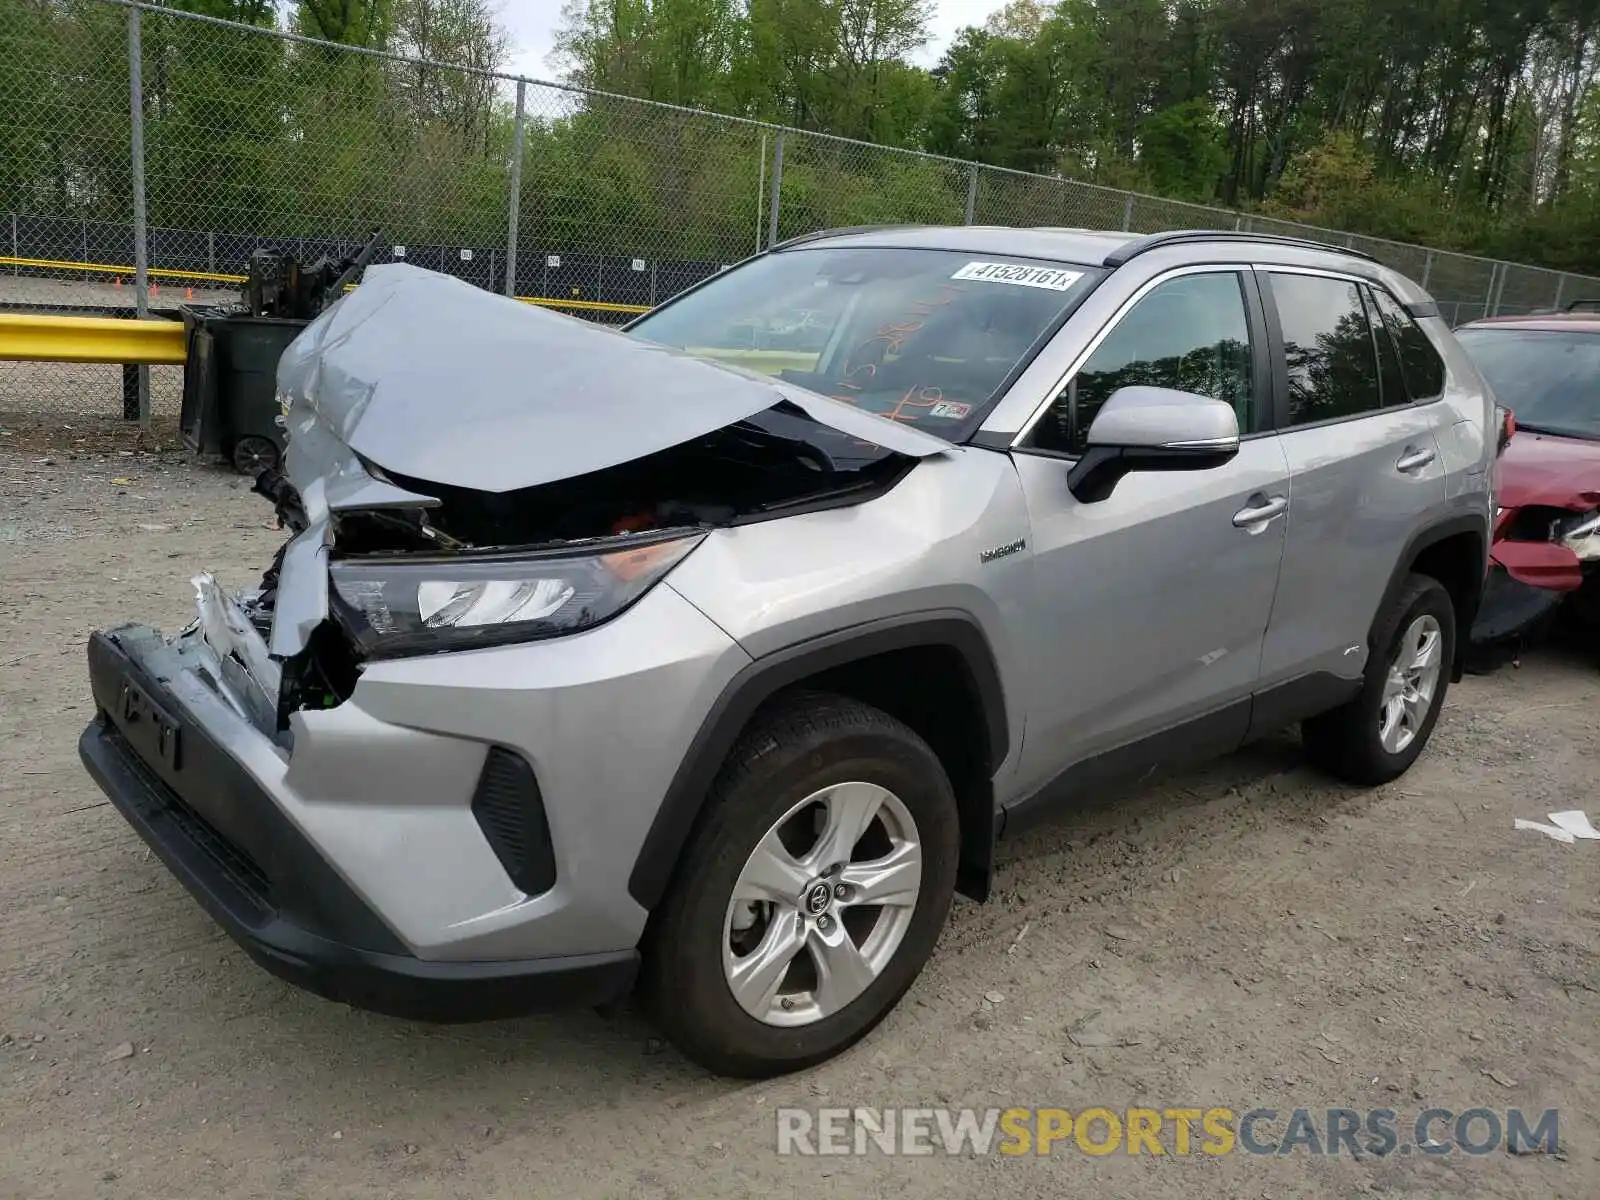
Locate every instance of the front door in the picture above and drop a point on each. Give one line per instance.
(1151, 605)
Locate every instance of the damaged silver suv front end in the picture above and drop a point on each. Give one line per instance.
(367, 765)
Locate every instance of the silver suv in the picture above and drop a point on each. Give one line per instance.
(716, 653)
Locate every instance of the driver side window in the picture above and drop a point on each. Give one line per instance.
(1190, 333)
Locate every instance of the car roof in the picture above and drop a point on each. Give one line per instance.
(1083, 246)
(1087, 247)
(1580, 322)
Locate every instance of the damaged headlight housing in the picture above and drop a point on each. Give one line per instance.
(1579, 533)
(395, 606)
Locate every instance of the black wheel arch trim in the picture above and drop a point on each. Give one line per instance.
(763, 678)
(1451, 527)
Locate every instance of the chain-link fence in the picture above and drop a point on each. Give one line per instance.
(140, 142)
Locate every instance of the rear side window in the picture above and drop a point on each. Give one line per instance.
(1419, 361)
(1332, 359)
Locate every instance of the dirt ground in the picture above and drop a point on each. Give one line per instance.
(1244, 936)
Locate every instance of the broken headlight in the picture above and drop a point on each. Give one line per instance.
(1579, 533)
(393, 606)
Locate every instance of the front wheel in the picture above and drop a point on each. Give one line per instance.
(811, 893)
(1378, 735)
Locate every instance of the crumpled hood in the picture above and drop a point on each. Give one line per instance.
(1556, 471)
(429, 377)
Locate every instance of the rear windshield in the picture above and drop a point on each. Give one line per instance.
(922, 336)
(1550, 380)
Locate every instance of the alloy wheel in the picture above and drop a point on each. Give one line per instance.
(1410, 684)
(822, 904)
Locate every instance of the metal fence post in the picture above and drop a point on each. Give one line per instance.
(777, 188)
(1127, 214)
(211, 251)
(761, 190)
(1561, 287)
(1499, 290)
(972, 191)
(514, 205)
(1427, 270)
(130, 392)
(141, 251)
(16, 267)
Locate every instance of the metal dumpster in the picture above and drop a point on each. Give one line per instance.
(230, 378)
(230, 405)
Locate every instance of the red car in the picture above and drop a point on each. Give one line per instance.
(1546, 370)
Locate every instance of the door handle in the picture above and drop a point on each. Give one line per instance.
(1414, 459)
(1260, 514)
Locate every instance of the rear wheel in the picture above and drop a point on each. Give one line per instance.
(811, 893)
(1378, 735)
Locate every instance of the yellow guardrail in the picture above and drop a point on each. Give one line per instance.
(584, 305)
(50, 264)
(41, 337)
(120, 272)
(38, 337)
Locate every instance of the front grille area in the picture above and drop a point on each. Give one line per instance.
(240, 869)
(510, 810)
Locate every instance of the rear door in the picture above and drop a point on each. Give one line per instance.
(1365, 465)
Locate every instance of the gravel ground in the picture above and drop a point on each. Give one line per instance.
(1246, 935)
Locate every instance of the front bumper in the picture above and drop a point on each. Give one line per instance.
(217, 829)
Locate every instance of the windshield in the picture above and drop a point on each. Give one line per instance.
(922, 336)
(1550, 380)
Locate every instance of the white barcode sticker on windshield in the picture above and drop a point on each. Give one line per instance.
(1053, 278)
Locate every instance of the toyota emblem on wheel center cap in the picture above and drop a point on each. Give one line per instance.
(817, 899)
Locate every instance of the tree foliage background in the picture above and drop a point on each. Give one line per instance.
(1462, 124)
(1465, 124)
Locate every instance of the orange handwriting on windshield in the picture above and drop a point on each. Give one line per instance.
(893, 336)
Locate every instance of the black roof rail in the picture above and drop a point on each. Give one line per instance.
(843, 231)
(1124, 254)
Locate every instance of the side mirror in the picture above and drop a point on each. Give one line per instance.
(1153, 429)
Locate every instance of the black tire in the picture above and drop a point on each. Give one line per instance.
(252, 455)
(784, 757)
(1345, 741)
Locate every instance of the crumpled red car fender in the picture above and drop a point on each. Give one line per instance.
(1545, 565)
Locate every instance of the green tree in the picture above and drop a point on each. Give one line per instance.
(1182, 152)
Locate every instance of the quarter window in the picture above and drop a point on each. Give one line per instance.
(1389, 371)
(1419, 361)
(1190, 333)
(1328, 345)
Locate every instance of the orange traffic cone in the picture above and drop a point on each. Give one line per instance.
(154, 289)
(188, 293)
(119, 280)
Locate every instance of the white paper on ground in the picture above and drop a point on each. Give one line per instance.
(1554, 831)
(1576, 822)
